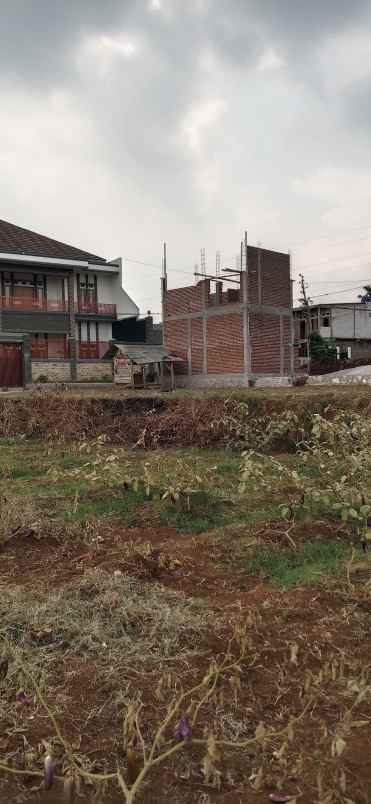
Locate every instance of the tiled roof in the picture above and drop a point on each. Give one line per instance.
(15, 240)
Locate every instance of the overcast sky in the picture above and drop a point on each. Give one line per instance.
(124, 123)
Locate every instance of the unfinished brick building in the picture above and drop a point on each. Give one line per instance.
(236, 329)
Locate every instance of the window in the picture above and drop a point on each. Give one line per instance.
(349, 352)
(325, 318)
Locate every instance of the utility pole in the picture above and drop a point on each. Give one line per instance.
(305, 301)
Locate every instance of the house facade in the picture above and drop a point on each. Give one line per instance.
(347, 324)
(58, 304)
(236, 330)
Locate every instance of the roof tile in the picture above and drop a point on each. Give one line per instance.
(16, 240)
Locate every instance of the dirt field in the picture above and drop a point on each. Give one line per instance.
(183, 623)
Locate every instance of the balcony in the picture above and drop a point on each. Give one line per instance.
(55, 306)
(93, 308)
(93, 350)
(33, 305)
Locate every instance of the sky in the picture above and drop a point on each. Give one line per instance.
(127, 123)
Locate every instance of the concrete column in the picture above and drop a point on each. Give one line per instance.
(246, 325)
(27, 364)
(205, 296)
(189, 349)
(292, 329)
(282, 347)
(72, 326)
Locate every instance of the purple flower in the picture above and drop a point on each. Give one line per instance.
(49, 766)
(23, 698)
(183, 731)
(279, 798)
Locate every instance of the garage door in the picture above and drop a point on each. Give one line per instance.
(10, 365)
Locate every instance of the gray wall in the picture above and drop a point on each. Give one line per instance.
(54, 323)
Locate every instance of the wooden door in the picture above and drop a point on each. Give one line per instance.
(10, 365)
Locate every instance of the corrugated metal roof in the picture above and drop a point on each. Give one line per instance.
(144, 353)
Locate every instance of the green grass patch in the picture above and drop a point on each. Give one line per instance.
(124, 506)
(307, 564)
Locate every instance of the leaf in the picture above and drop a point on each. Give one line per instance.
(260, 733)
(257, 779)
(338, 746)
(294, 650)
(211, 774)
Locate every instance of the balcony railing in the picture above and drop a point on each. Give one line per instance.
(93, 350)
(30, 305)
(93, 308)
(55, 306)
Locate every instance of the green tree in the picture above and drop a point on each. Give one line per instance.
(322, 349)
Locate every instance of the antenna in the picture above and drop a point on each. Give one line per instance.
(203, 261)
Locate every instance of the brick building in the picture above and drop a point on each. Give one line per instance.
(234, 330)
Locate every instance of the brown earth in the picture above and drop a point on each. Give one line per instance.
(329, 627)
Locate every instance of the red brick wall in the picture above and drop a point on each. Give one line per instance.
(225, 344)
(225, 353)
(265, 344)
(275, 277)
(197, 345)
(186, 300)
(176, 340)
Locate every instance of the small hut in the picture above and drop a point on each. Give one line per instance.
(144, 365)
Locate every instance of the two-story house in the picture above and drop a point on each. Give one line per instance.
(57, 307)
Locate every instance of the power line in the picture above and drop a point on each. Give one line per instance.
(336, 259)
(336, 292)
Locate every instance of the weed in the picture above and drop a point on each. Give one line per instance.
(310, 563)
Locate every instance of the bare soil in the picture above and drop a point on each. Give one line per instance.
(329, 626)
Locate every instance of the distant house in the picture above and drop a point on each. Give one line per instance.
(58, 305)
(348, 324)
(234, 329)
(138, 330)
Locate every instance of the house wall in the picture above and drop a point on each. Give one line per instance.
(238, 332)
(53, 370)
(89, 371)
(351, 322)
(105, 331)
(60, 371)
(20, 321)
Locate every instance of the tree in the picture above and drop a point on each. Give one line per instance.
(366, 296)
(321, 349)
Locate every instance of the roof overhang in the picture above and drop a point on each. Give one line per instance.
(26, 258)
(143, 354)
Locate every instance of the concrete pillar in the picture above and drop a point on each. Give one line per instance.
(189, 348)
(246, 324)
(282, 347)
(205, 297)
(27, 364)
(72, 326)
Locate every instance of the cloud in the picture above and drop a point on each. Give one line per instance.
(135, 121)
